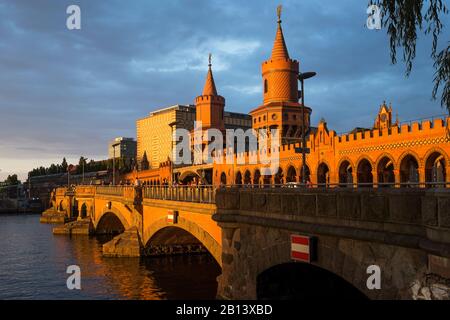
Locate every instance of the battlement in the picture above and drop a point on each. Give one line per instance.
(209, 99)
(424, 127)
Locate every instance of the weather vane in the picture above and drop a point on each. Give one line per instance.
(209, 59)
(279, 12)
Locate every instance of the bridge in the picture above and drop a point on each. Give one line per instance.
(404, 233)
(151, 220)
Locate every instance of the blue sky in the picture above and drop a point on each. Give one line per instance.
(67, 93)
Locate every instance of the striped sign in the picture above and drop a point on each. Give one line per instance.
(172, 217)
(302, 248)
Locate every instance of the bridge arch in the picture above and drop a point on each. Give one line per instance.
(61, 206)
(213, 247)
(268, 263)
(303, 281)
(111, 221)
(83, 211)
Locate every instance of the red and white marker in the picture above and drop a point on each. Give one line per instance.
(172, 216)
(301, 248)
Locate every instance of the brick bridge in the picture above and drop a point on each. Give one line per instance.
(405, 232)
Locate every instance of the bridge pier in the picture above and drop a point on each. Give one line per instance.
(405, 235)
(126, 244)
(79, 227)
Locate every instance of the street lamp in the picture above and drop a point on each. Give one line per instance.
(83, 159)
(114, 162)
(302, 77)
(173, 125)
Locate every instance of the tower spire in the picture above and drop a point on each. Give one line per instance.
(210, 87)
(279, 50)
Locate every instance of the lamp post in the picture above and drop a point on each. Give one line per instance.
(114, 162)
(173, 126)
(302, 77)
(83, 159)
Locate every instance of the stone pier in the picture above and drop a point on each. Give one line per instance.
(126, 244)
(79, 227)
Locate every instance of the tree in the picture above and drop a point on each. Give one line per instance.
(81, 164)
(403, 20)
(144, 163)
(12, 180)
(64, 165)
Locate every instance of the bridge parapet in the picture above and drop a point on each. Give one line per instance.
(85, 191)
(61, 191)
(118, 191)
(407, 217)
(405, 232)
(201, 194)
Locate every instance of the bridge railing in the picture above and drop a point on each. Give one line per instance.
(200, 194)
(112, 190)
(61, 191)
(344, 185)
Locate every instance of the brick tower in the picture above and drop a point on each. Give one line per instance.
(210, 106)
(281, 108)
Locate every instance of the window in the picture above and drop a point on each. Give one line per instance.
(265, 86)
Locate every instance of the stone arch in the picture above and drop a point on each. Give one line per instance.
(291, 174)
(271, 257)
(345, 172)
(83, 210)
(362, 158)
(304, 281)
(256, 176)
(323, 174)
(408, 165)
(385, 169)
(61, 206)
(238, 178)
(308, 173)
(116, 212)
(364, 172)
(278, 177)
(213, 247)
(186, 176)
(223, 179)
(247, 177)
(436, 165)
(385, 155)
(408, 152)
(439, 150)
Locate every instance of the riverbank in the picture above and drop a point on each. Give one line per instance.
(8, 206)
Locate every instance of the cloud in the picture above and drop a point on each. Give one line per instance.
(67, 93)
(226, 52)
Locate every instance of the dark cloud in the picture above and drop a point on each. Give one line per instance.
(66, 93)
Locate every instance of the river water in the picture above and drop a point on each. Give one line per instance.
(33, 264)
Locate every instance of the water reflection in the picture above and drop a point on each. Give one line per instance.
(44, 267)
